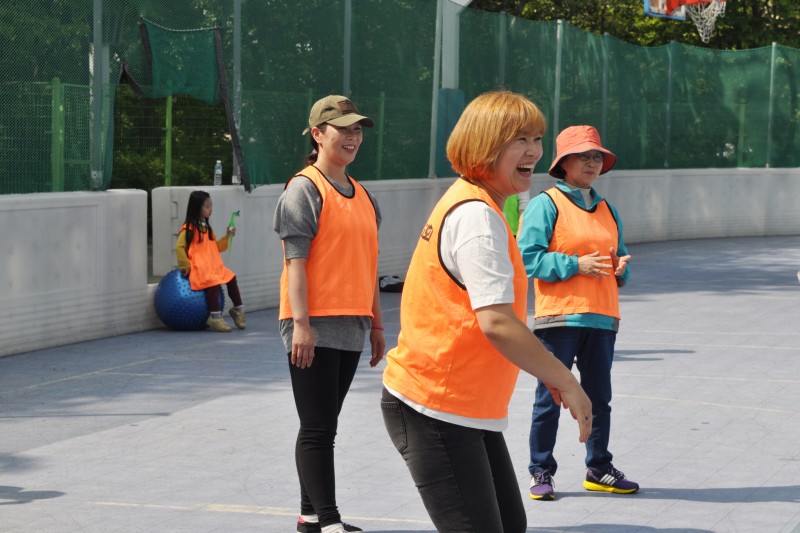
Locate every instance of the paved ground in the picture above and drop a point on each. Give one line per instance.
(194, 432)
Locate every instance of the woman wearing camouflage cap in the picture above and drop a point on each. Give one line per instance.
(329, 301)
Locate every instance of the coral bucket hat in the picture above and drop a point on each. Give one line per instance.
(576, 140)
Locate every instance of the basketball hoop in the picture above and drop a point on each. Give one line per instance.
(704, 14)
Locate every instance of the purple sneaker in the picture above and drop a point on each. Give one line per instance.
(542, 486)
(611, 481)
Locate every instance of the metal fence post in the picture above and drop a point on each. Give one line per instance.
(557, 89)
(381, 115)
(668, 118)
(168, 144)
(771, 102)
(57, 136)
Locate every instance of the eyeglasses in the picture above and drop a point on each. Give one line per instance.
(597, 157)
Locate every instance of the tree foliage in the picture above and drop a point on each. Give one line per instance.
(746, 23)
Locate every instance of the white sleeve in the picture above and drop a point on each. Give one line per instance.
(474, 248)
(523, 198)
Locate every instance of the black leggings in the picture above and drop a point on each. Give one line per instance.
(212, 295)
(319, 393)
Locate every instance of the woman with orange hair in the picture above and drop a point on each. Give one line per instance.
(463, 336)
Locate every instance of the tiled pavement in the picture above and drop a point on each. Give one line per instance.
(169, 431)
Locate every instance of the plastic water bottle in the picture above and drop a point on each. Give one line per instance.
(218, 173)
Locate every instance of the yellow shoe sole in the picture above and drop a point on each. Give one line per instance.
(588, 485)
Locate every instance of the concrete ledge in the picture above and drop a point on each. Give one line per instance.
(75, 266)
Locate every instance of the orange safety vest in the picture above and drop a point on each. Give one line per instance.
(582, 232)
(342, 263)
(208, 270)
(443, 360)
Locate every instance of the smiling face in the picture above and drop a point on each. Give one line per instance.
(513, 169)
(338, 145)
(582, 169)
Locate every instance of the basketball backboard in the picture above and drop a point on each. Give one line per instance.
(658, 8)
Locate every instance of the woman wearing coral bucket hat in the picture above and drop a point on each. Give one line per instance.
(571, 243)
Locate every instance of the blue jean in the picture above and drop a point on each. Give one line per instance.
(464, 475)
(319, 392)
(593, 349)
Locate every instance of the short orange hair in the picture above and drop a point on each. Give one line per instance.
(486, 126)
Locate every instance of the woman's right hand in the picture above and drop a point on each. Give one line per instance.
(579, 405)
(302, 344)
(595, 265)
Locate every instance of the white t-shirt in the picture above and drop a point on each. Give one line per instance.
(474, 248)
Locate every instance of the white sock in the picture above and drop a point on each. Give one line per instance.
(334, 528)
(310, 518)
(216, 314)
(241, 308)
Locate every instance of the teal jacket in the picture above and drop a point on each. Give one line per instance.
(534, 239)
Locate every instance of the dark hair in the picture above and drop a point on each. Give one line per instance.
(558, 171)
(193, 220)
(312, 157)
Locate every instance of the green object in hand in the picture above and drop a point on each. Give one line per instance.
(232, 224)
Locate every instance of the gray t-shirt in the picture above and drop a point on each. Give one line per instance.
(296, 222)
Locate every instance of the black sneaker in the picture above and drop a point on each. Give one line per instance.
(314, 527)
(610, 481)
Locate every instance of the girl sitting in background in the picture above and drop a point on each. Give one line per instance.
(199, 258)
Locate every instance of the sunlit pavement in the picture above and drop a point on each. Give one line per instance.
(168, 431)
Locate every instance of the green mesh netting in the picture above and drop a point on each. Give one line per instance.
(673, 106)
(182, 62)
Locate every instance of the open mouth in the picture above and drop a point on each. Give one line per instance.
(526, 170)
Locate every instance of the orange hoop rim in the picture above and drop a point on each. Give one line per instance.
(672, 5)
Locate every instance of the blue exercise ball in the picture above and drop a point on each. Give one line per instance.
(178, 306)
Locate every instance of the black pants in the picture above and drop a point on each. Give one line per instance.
(319, 393)
(464, 475)
(212, 295)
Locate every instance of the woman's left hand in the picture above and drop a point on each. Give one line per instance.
(620, 263)
(378, 344)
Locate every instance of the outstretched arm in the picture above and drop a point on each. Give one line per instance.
(514, 340)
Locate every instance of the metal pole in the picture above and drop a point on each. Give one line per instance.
(668, 118)
(381, 116)
(57, 136)
(348, 35)
(740, 140)
(771, 100)
(437, 60)
(604, 105)
(99, 75)
(168, 144)
(557, 93)
(502, 49)
(237, 83)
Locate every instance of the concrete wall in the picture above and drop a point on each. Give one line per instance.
(74, 268)
(75, 264)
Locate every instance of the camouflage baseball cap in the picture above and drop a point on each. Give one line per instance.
(336, 110)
